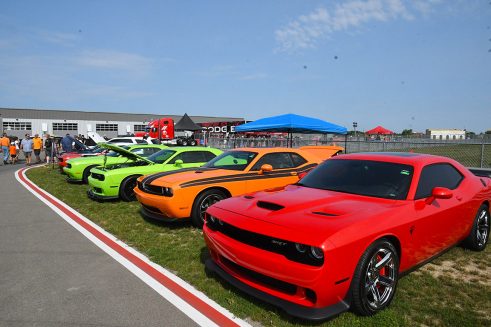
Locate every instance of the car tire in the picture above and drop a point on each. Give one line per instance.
(192, 142)
(202, 202)
(126, 192)
(375, 279)
(479, 235)
(86, 174)
(184, 142)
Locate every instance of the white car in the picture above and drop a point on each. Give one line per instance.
(130, 140)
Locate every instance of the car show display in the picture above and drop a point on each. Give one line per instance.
(341, 237)
(188, 193)
(117, 180)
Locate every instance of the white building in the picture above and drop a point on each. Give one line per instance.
(18, 122)
(446, 134)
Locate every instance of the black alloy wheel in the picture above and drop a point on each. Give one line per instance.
(126, 192)
(479, 235)
(375, 280)
(202, 202)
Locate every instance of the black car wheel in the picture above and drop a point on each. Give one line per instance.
(202, 202)
(192, 142)
(126, 192)
(479, 235)
(86, 174)
(375, 280)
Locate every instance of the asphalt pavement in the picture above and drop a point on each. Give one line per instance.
(51, 275)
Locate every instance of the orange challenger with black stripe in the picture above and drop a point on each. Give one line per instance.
(187, 193)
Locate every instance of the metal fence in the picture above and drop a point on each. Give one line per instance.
(471, 153)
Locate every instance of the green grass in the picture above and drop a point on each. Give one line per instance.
(423, 297)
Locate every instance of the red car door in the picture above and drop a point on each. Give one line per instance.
(438, 222)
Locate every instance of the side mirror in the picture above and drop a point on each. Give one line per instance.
(439, 193)
(265, 168)
(178, 162)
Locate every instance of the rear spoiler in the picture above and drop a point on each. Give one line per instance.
(323, 151)
(481, 172)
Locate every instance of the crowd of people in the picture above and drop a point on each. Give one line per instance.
(32, 148)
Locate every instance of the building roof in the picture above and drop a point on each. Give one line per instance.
(99, 116)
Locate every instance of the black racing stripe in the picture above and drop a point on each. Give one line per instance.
(155, 176)
(228, 177)
(250, 176)
(254, 173)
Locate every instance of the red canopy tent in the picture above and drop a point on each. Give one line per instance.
(379, 130)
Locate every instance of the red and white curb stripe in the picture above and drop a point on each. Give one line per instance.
(183, 296)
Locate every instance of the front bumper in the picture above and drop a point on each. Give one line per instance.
(303, 312)
(73, 176)
(94, 196)
(173, 208)
(151, 213)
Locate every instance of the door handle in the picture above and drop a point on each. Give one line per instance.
(459, 198)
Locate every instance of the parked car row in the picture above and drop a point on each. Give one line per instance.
(306, 230)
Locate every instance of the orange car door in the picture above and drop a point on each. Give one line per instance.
(283, 172)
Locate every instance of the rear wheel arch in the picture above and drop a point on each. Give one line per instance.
(223, 189)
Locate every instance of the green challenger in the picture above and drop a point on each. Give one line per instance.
(78, 169)
(118, 180)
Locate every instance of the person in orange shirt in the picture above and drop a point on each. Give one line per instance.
(13, 153)
(37, 146)
(4, 146)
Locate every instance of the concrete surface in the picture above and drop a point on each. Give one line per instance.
(51, 275)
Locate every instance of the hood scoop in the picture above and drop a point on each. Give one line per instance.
(269, 206)
(321, 213)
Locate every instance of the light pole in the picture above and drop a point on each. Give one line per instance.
(355, 125)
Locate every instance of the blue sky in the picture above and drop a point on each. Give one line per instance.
(401, 64)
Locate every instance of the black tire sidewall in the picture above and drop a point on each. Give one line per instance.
(86, 174)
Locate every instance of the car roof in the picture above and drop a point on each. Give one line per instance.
(396, 157)
(267, 150)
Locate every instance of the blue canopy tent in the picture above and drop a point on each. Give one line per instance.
(291, 123)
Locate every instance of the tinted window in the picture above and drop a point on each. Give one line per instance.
(278, 160)
(363, 177)
(209, 155)
(115, 141)
(234, 160)
(141, 141)
(161, 156)
(443, 175)
(190, 157)
(145, 152)
(297, 159)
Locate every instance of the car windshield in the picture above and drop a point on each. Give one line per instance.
(112, 153)
(364, 177)
(161, 156)
(232, 160)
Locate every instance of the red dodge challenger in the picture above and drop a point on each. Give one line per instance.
(341, 237)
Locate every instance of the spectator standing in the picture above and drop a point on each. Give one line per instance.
(26, 146)
(13, 153)
(37, 146)
(66, 143)
(48, 148)
(4, 143)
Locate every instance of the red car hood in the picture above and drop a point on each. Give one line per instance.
(304, 214)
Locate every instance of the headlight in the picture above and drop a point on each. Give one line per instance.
(300, 247)
(317, 252)
(167, 191)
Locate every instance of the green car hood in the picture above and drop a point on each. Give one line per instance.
(126, 153)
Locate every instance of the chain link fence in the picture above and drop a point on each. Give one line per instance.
(470, 153)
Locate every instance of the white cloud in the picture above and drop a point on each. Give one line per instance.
(114, 60)
(66, 39)
(306, 31)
